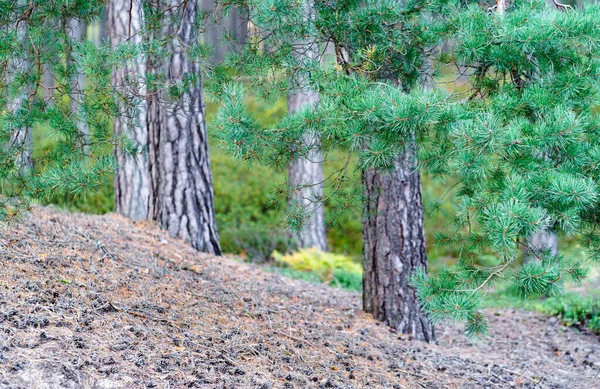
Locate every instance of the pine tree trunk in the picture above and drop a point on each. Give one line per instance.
(77, 31)
(182, 180)
(306, 176)
(219, 26)
(22, 138)
(132, 178)
(539, 242)
(394, 246)
(544, 240)
(306, 173)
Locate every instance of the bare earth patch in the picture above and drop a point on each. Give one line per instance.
(100, 302)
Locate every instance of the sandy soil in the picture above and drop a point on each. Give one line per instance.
(100, 302)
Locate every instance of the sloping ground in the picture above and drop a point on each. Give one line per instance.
(98, 302)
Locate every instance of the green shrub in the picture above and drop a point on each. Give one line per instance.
(255, 242)
(574, 310)
(333, 269)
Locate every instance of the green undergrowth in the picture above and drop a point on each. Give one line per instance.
(314, 265)
(572, 308)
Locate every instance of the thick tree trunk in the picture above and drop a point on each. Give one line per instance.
(394, 246)
(132, 178)
(306, 173)
(77, 31)
(183, 193)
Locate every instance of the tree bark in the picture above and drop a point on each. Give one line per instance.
(22, 138)
(306, 173)
(180, 166)
(306, 179)
(539, 242)
(218, 25)
(77, 31)
(394, 246)
(132, 176)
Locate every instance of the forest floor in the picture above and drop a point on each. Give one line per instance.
(101, 302)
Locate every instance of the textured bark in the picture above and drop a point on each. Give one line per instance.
(394, 246)
(182, 180)
(77, 31)
(132, 178)
(23, 142)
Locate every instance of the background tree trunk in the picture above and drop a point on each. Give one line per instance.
(394, 246)
(22, 138)
(219, 26)
(539, 242)
(77, 31)
(306, 177)
(183, 192)
(306, 173)
(545, 240)
(132, 178)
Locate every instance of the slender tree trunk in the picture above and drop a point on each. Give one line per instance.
(306, 177)
(48, 84)
(22, 138)
(544, 240)
(538, 243)
(132, 177)
(219, 27)
(22, 141)
(306, 173)
(183, 192)
(77, 31)
(394, 246)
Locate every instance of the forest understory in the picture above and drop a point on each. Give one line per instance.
(101, 302)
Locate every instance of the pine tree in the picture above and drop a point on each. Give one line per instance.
(392, 205)
(21, 137)
(76, 31)
(169, 181)
(520, 144)
(34, 39)
(543, 240)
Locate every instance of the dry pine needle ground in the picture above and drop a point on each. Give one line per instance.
(101, 302)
